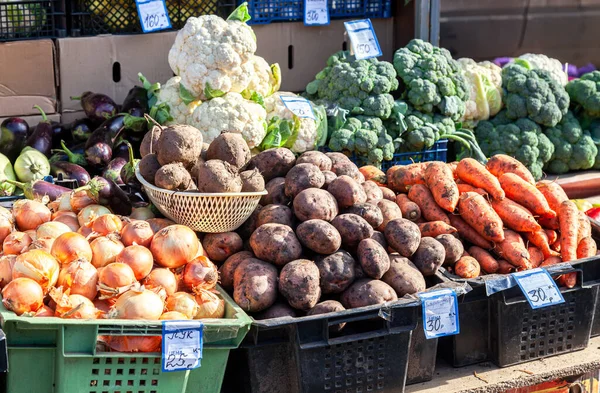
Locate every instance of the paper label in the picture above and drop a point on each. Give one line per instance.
(299, 106)
(440, 313)
(363, 39)
(181, 345)
(316, 13)
(539, 288)
(153, 15)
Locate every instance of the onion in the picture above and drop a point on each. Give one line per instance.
(69, 220)
(138, 258)
(211, 306)
(107, 224)
(102, 305)
(23, 295)
(133, 343)
(174, 246)
(184, 303)
(80, 200)
(64, 202)
(6, 267)
(61, 213)
(44, 312)
(4, 212)
(137, 232)
(141, 213)
(6, 227)
(135, 304)
(173, 316)
(161, 279)
(76, 307)
(115, 279)
(80, 278)
(86, 232)
(200, 273)
(52, 229)
(90, 213)
(38, 265)
(105, 250)
(159, 223)
(71, 246)
(44, 243)
(16, 243)
(32, 234)
(30, 214)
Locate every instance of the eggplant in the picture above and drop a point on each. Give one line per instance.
(113, 170)
(136, 102)
(58, 157)
(13, 135)
(41, 139)
(97, 107)
(39, 189)
(128, 170)
(70, 171)
(75, 158)
(107, 193)
(121, 150)
(59, 132)
(98, 148)
(81, 130)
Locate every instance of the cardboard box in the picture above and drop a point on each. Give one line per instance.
(110, 64)
(27, 77)
(33, 120)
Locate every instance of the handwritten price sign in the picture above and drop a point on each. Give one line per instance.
(153, 15)
(440, 313)
(539, 288)
(298, 106)
(363, 39)
(316, 13)
(181, 345)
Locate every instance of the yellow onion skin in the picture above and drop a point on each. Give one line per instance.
(107, 224)
(173, 316)
(6, 266)
(71, 246)
(105, 251)
(38, 265)
(80, 200)
(134, 304)
(77, 307)
(182, 302)
(80, 278)
(44, 312)
(44, 244)
(16, 243)
(137, 232)
(174, 246)
(30, 214)
(200, 273)
(69, 220)
(133, 343)
(51, 229)
(159, 223)
(161, 278)
(90, 213)
(210, 305)
(23, 295)
(6, 227)
(114, 278)
(139, 259)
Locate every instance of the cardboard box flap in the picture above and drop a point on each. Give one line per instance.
(23, 105)
(27, 68)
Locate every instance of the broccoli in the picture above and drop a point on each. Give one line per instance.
(574, 148)
(533, 93)
(585, 92)
(433, 81)
(594, 130)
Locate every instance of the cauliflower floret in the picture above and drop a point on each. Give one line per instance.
(231, 113)
(265, 79)
(543, 62)
(484, 81)
(179, 111)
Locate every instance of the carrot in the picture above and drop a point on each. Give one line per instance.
(504, 267)
(440, 181)
(467, 267)
(549, 223)
(535, 255)
(409, 209)
(541, 240)
(373, 173)
(465, 254)
(552, 235)
(468, 233)
(568, 217)
(401, 177)
(464, 187)
(553, 192)
(430, 210)
(475, 210)
(500, 164)
(567, 280)
(435, 228)
(452, 166)
(556, 246)
(515, 216)
(472, 172)
(487, 262)
(585, 227)
(551, 261)
(526, 194)
(587, 248)
(513, 250)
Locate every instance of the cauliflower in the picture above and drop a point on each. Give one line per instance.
(179, 112)
(485, 89)
(231, 113)
(543, 62)
(265, 79)
(214, 56)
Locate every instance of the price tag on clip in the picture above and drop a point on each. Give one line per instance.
(153, 15)
(363, 39)
(298, 106)
(316, 13)
(440, 313)
(181, 345)
(539, 288)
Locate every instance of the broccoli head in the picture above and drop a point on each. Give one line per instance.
(585, 92)
(594, 130)
(420, 131)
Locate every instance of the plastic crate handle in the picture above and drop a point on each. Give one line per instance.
(578, 285)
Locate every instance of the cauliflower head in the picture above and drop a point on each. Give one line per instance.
(543, 62)
(585, 92)
(265, 79)
(484, 81)
(231, 113)
(169, 95)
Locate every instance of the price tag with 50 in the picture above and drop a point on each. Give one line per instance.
(181, 345)
(153, 15)
(363, 39)
(539, 288)
(316, 13)
(440, 313)
(298, 106)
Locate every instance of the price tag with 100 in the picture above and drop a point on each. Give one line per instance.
(181, 345)
(153, 15)
(298, 106)
(440, 313)
(363, 39)
(316, 13)
(539, 288)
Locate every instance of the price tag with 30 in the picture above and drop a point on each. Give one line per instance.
(316, 13)
(181, 345)
(363, 39)
(298, 106)
(539, 288)
(440, 313)
(153, 15)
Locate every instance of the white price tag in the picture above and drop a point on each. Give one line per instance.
(153, 15)
(440, 313)
(181, 345)
(298, 106)
(539, 288)
(316, 13)
(363, 39)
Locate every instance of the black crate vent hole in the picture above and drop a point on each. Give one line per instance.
(125, 375)
(28, 19)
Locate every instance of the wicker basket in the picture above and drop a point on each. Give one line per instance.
(203, 212)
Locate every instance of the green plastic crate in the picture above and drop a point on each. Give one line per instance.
(52, 355)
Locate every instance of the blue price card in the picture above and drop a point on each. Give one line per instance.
(539, 288)
(363, 39)
(153, 15)
(316, 13)
(299, 106)
(440, 313)
(181, 345)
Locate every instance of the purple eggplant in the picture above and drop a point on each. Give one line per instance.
(113, 170)
(97, 107)
(70, 171)
(41, 139)
(107, 193)
(136, 102)
(75, 158)
(81, 130)
(13, 134)
(39, 189)
(60, 132)
(121, 150)
(98, 148)
(128, 170)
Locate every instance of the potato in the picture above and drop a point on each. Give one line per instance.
(273, 163)
(368, 211)
(453, 248)
(329, 177)
(174, 177)
(380, 238)
(347, 191)
(299, 284)
(218, 176)
(359, 272)
(404, 276)
(220, 246)
(326, 307)
(252, 181)
(277, 310)
(336, 157)
(205, 147)
(229, 147)
(255, 285)
(352, 228)
(388, 194)
(403, 236)
(315, 204)
(319, 236)
(367, 292)
(276, 193)
(301, 177)
(336, 271)
(316, 158)
(149, 165)
(275, 243)
(372, 190)
(373, 258)
(150, 140)
(245, 230)
(429, 256)
(275, 214)
(347, 168)
(389, 210)
(227, 269)
(179, 143)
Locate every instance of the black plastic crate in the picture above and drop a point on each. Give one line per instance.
(32, 19)
(421, 357)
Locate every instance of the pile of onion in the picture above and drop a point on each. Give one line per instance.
(105, 250)
(138, 258)
(161, 279)
(16, 243)
(134, 304)
(174, 246)
(23, 295)
(107, 224)
(200, 273)
(71, 247)
(114, 279)
(210, 305)
(39, 266)
(6, 266)
(80, 278)
(137, 232)
(30, 214)
(184, 303)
